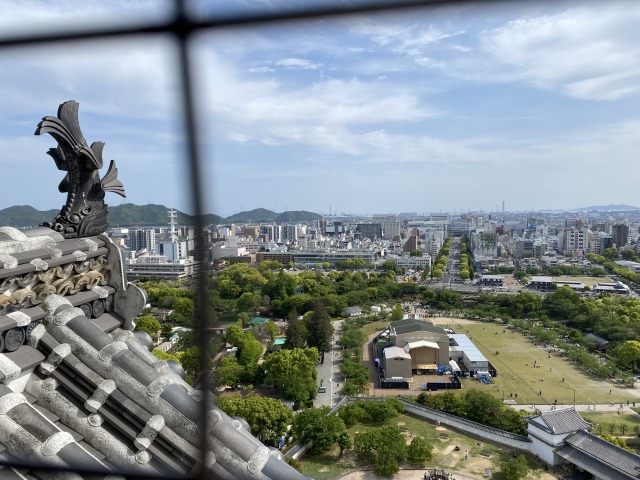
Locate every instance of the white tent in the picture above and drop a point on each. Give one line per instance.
(420, 343)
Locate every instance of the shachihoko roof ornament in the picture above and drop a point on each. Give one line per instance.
(85, 213)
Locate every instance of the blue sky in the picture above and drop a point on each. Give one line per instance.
(439, 109)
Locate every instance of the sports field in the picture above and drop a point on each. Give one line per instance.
(535, 374)
(588, 281)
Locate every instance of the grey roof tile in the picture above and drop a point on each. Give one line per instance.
(605, 453)
(415, 325)
(70, 359)
(561, 421)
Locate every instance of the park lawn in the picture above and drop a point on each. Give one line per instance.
(326, 466)
(588, 281)
(612, 423)
(374, 327)
(517, 374)
(331, 465)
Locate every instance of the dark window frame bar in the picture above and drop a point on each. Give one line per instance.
(183, 26)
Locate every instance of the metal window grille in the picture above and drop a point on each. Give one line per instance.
(182, 26)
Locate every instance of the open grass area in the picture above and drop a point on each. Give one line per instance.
(588, 281)
(331, 465)
(375, 327)
(556, 377)
(325, 467)
(612, 423)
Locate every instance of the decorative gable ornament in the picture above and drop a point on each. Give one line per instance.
(85, 213)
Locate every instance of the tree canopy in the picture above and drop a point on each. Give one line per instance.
(267, 417)
(294, 373)
(148, 324)
(324, 430)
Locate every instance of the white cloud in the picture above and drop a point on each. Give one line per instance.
(298, 64)
(319, 114)
(590, 52)
(21, 17)
(461, 48)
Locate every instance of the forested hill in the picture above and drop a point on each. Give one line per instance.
(129, 215)
(25, 216)
(262, 215)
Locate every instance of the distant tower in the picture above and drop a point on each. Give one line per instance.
(173, 215)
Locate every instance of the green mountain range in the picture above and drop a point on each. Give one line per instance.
(129, 215)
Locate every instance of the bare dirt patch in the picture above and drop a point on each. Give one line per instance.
(448, 450)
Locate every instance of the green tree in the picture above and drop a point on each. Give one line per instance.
(246, 302)
(397, 313)
(324, 430)
(480, 406)
(280, 286)
(148, 324)
(296, 335)
(521, 276)
(611, 253)
(183, 306)
(320, 328)
(267, 417)
(617, 441)
(419, 451)
(514, 468)
(166, 330)
(229, 372)
(294, 373)
(425, 273)
(160, 355)
(243, 319)
(390, 265)
(249, 351)
(190, 360)
(235, 335)
(384, 447)
(367, 411)
(629, 353)
(249, 348)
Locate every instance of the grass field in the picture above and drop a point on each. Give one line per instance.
(612, 423)
(556, 378)
(375, 327)
(588, 281)
(330, 465)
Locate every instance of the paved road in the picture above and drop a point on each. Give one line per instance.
(607, 407)
(329, 371)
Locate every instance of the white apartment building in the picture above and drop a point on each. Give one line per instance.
(575, 241)
(416, 263)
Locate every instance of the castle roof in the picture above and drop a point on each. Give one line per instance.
(561, 421)
(78, 390)
(599, 457)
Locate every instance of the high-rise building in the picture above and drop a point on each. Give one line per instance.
(369, 230)
(575, 241)
(391, 227)
(142, 239)
(290, 233)
(620, 233)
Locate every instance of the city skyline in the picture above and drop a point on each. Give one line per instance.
(441, 109)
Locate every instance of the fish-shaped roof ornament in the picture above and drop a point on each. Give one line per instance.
(85, 213)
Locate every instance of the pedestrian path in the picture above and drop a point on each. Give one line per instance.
(607, 407)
